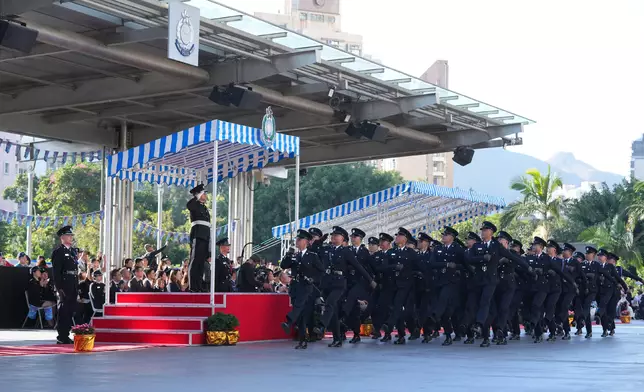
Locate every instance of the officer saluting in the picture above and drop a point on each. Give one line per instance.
(199, 237)
(63, 260)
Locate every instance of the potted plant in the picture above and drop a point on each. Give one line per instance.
(84, 336)
(625, 317)
(221, 329)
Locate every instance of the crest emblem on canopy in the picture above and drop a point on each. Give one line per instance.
(268, 128)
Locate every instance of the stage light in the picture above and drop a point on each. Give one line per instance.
(235, 96)
(463, 155)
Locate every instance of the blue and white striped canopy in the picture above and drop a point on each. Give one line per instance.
(418, 206)
(185, 158)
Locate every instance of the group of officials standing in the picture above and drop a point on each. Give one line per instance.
(466, 288)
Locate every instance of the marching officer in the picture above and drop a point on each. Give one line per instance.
(620, 273)
(386, 285)
(303, 264)
(358, 286)
(585, 298)
(334, 281)
(199, 237)
(558, 277)
(223, 267)
(424, 286)
(568, 294)
(446, 262)
(65, 269)
(404, 262)
(521, 292)
(607, 285)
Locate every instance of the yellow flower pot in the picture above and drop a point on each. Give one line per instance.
(222, 338)
(84, 343)
(233, 337)
(366, 329)
(570, 320)
(625, 319)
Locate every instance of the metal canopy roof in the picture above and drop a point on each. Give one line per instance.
(417, 206)
(72, 87)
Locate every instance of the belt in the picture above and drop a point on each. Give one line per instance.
(199, 222)
(70, 273)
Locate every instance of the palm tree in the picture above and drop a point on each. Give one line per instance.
(539, 199)
(617, 236)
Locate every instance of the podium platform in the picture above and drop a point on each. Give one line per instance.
(178, 318)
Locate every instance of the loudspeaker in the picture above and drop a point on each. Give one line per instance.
(374, 132)
(244, 99)
(353, 131)
(463, 155)
(18, 37)
(219, 97)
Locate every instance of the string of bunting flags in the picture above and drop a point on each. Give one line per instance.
(44, 221)
(25, 152)
(151, 231)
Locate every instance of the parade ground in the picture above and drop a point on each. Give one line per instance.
(609, 364)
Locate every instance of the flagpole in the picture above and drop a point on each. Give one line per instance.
(30, 195)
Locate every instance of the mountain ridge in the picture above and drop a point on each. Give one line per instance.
(571, 170)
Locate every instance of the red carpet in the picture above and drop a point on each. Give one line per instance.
(8, 351)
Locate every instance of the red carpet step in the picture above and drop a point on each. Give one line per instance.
(67, 349)
(149, 323)
(158, 310)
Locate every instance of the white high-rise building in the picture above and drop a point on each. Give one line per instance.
(9, 169)
(637, 159)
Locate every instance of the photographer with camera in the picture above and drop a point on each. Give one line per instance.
(251, 279)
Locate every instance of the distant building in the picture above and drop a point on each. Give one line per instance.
(637, 159)
(9, 169)
(318, 19)
(574, 191)
(433, 168)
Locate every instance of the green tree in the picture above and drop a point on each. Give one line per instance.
(539, 200)
(17, 192)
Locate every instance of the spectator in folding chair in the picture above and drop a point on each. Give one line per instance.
(36, 293)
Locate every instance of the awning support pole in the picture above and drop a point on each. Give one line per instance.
(213, 230)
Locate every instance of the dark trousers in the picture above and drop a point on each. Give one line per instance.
(423, 311)
(444, 306)
(351, 309)
(503, 296)
(383, 307)
(586, 303)
(397, 316)
(301, 294)
(611, 309)
(603, 302)
(330, 318)
(198, 256)
(66, 312)
(514, 313)
(565, 300)
(550, 309)
(536, 310)
(479, 300)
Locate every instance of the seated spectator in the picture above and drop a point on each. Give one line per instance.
(4, 262)
(38, 296)
(268, 286)
(149, 280)
(84, 305)
(160, 286)
(115, 279)
(283, 282)
(128, 263)
(97, 290)
(42, 263)
(23, 260)
(249, 281)
(96, 265)
(160, 275)
(175, 281)
(166, 265)
(150, 255)
(126, 276)
(138, 262)
(137, 285)
(83, 260)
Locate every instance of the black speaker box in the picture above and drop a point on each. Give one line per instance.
(219, 97)
(244, 99)
(353, 131)
(463, 155)
(18, 37)
(374, 132)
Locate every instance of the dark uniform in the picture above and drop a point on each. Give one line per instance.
(424, 285)
(447, 261)
(607, 287)
(357, 286)
(199, 239)
(403, 262)
(506, 288)
(522, 281)
(569, 292)
(596, 276)
(223, 270)
(97, 293)
(334, 283)
(83, 314)
(386, 289)
(304, 265)
(151, 257)
(620, 273)
(319, 247)
(114, 288)
(558, 277)
(65, 269)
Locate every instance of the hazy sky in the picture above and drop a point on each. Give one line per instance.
(574, 66)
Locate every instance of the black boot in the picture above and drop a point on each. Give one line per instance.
(426, 339)
(538, 339)
(301, 346)
(485, 342)
(336, 343)
(469, 341)
(415, 334)
(448, 340)
(612, 332)
(286, 328)
(605, 334)
(400, 340)
(579, 332)
(502, 341)
(589, 335)
(386, 338)
(376, 335)
(355, 339)
(515, 336)
(457, 338)
(566, 336)
(551, 338)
